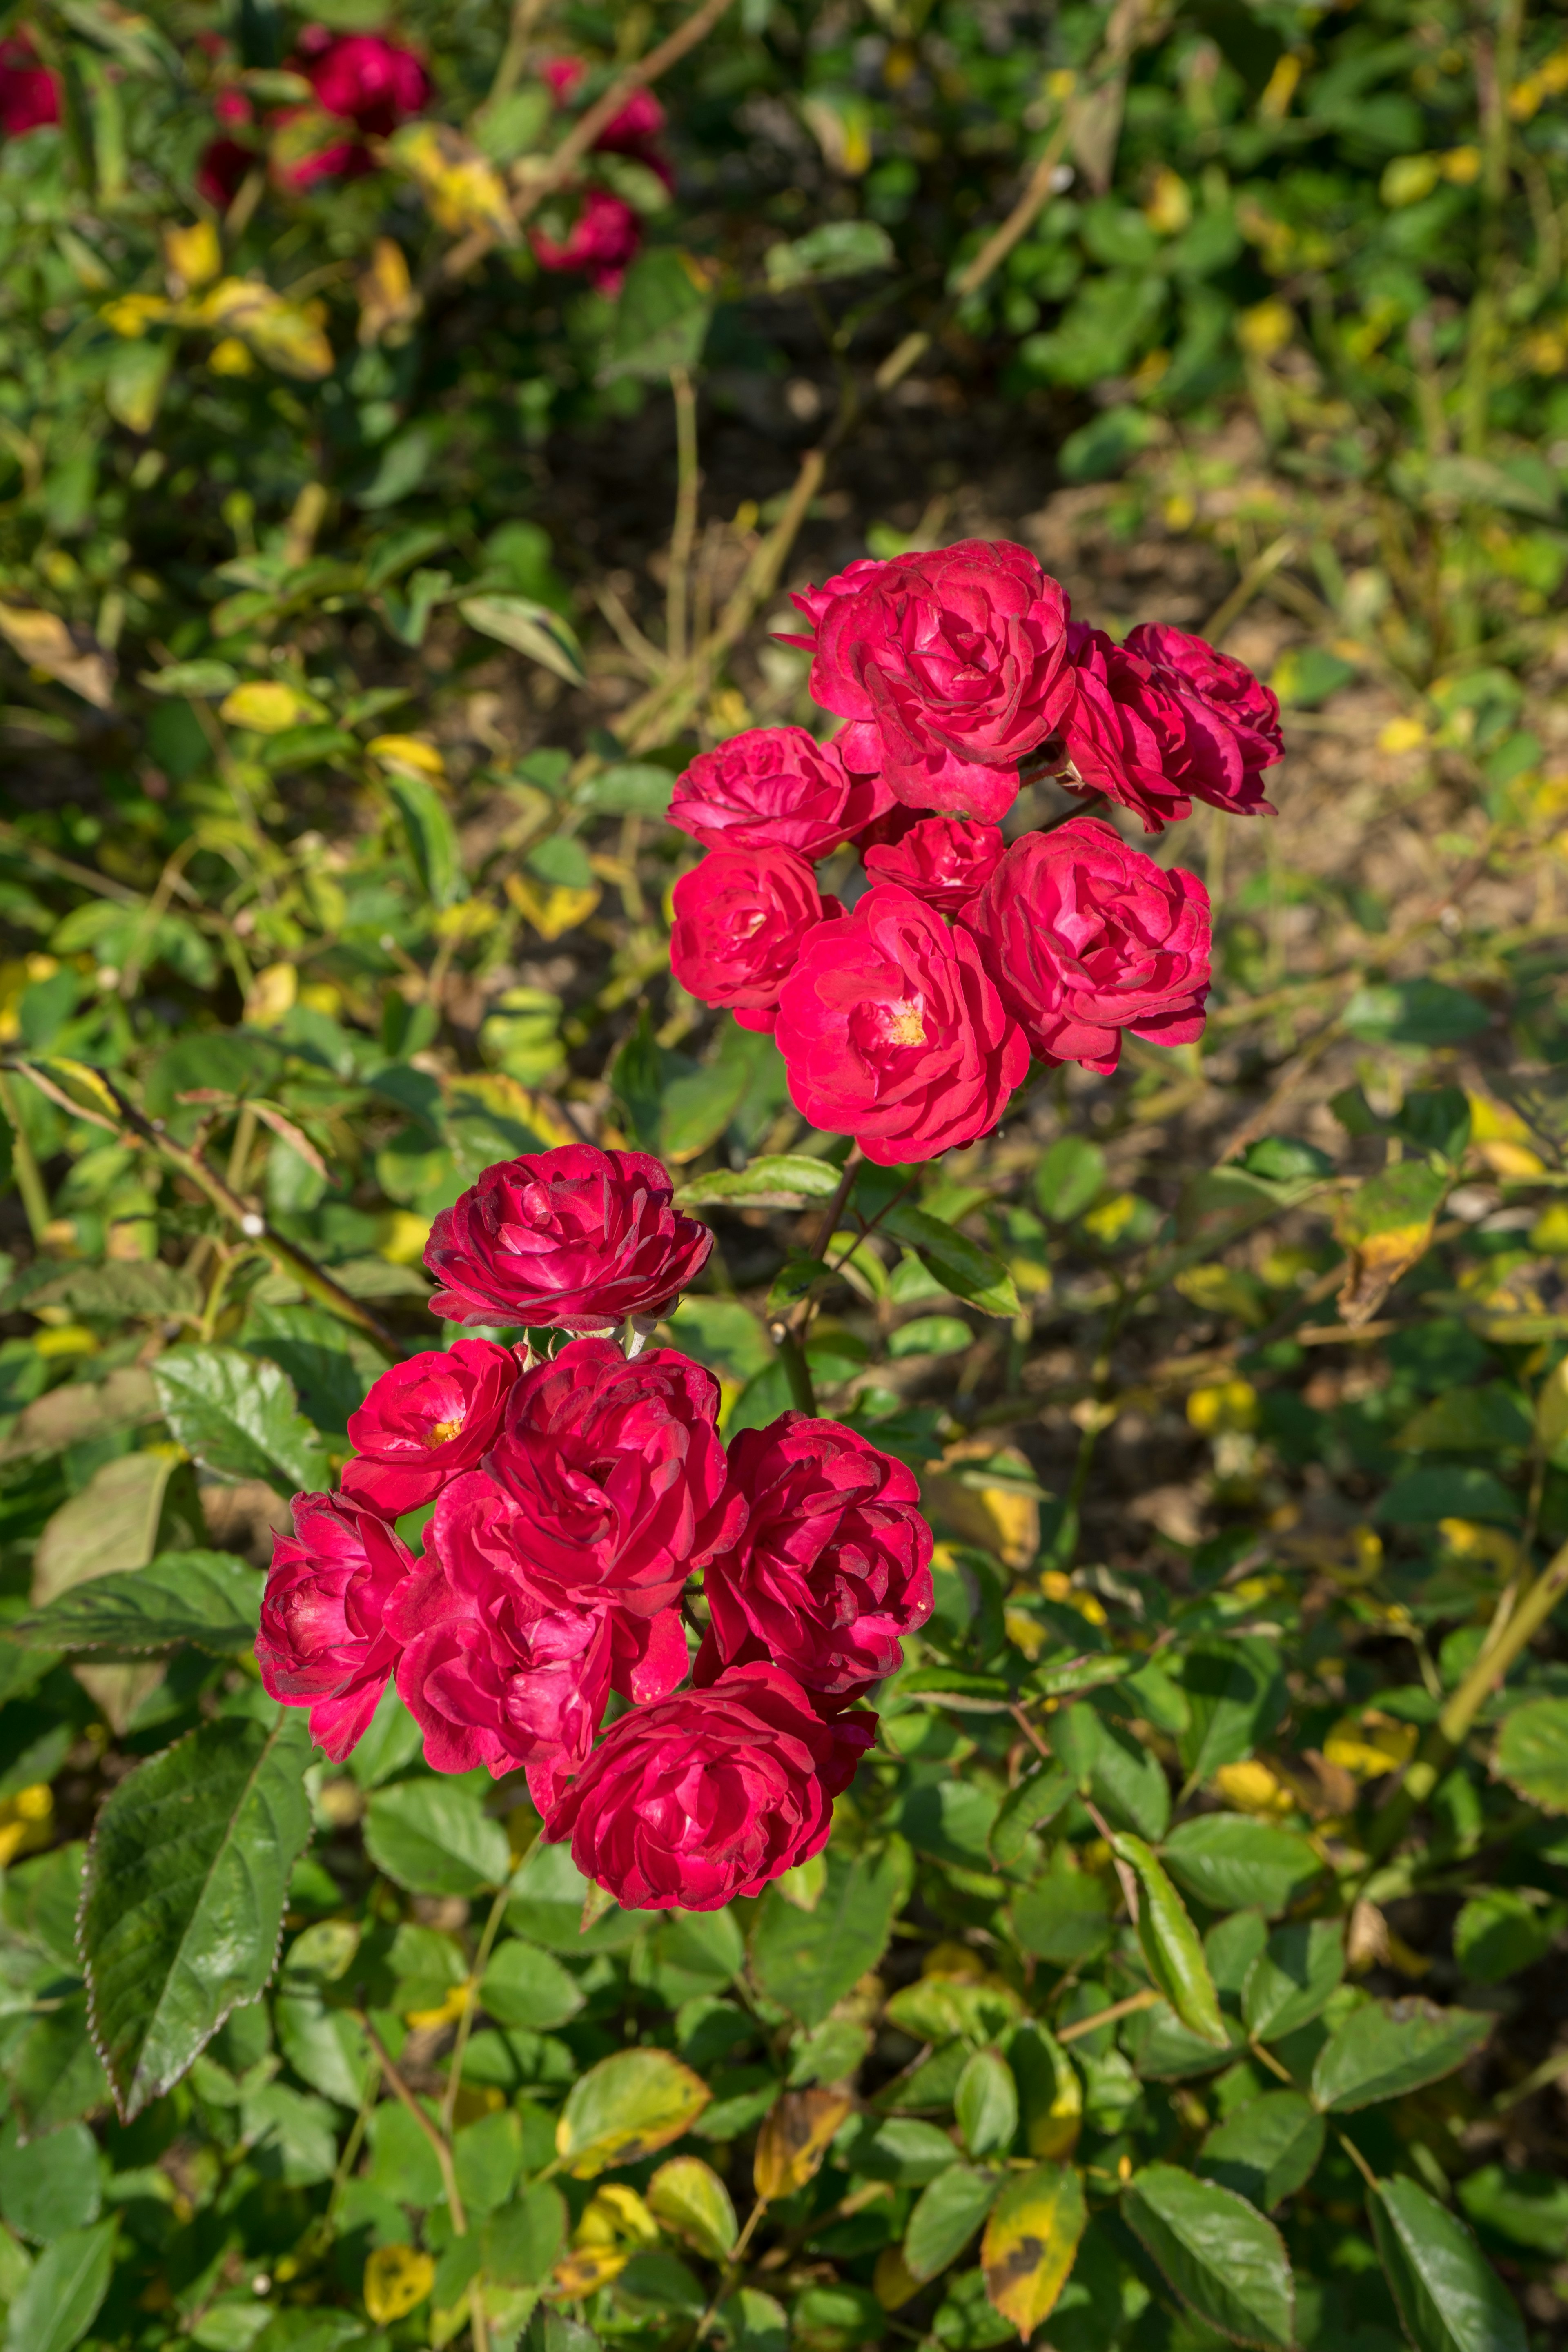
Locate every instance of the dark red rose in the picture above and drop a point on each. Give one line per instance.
(892, 1032)
(944, 860)
(220, 173)
(29, 95)
(884, 832)
(575, 1238)
(601, 242)
(710, 1793)
(324, 1641)
(775, 788)
(834, 1565)
(949, 666)
(1235, 703)
(1135, 733)
(424, 1420)
(497, 1676)
(740, 918)
(1086, 938)
(616, 1476)
(374, 82)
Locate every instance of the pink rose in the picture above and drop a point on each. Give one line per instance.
(600, 241)
(775, 788)
(710, 1793)
(1086, 938)
(892, 1032)
(740, 918)
(949, 667)
(1233, 702)
(944, 860)
(575, 1238)
(616, 1476)
(423, 1422)
(1136, 734)
(325, 1643)
(29, 95)
(835, 1562)
(374, 82)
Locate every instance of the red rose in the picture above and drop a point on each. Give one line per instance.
(775, 788)
(325, 1643)
(710, 1793)
(740, 918)
(600, 241)
(576, 1238)
(949, 667)
(1136, 734)
(220, 173)
(1085, 938)
(616, 1476)
(424, 1420)
(514, 1683)
(372, 81)
(944, 860)
(641, 118)
(835, 1562)
(1233, 702)
(29, 95)
(891, 1032)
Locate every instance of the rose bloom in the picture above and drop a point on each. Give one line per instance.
(424, 1422)
(616, 1475)
(325, 1643)
(1136, 734)
(775, 788)
(949, 666)
(1234, 701)
(740, 918)
(835, 1562)
(641, 118)
(576, 1238)
(710, 1793)
(892, 1032)
(601, 242)
(29, 96)
(1086, 938)
(944, 860)
(372, 81)
(220, 173)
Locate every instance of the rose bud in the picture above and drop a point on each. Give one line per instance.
(944, 860)
(1135, 734)
(424, 1422)
(325, 1643)
(1086, 938)
(834, 1565)
(575, 1238)
(374, 82)
(740, 918)
(617, 1475)
(709, 1794)
(892, 1032)
(775, 788)
(1235, 704)
(949, 666)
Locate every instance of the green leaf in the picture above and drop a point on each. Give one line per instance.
(1065, 1914)
(1289, 1982)
(1069, 1178)
(1449, 2297)
(1034, 1804)
(61, 2300)
(960, 1265)
(986, 2104)
(531, 628)
(1126, 1781)
(1171, 1945)
(1031, 2243)
(547, 1898)
(632, 787)
(431, 835)
(50, 2184)
(1220, 2255)
(206, 680)
(1414, 1013)
(1529, 2208)
(807, 1960)
(1267, 2149)
(1236, 1694)
(845, 248)
(55, 2073)
(1386, 2048)
(522, 2239)
(947, 2214)
(1233, 1864)
(626, 2107)
(433, 1838)
(786, 1181)
(206, 1598)
(1499, 1934)
(1531, 1753)
(523, 1986)
(238, 1416)
(689, 2198)
(661, 320)
(187, 1876)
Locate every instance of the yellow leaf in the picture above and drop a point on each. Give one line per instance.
(551, 907)
(613, 2213)
(267, 706)
(286, 336)
(192, 256)
(272, 994)
(401, 1237)
(1251, 1788)
(395, 2279)
(1265, 328)
(1402, 735)
(793, 2139)
(132, 314)
(689, 2198)
(410, 754)
(587, 2268)
(72, 655)
(1049, 2094)
(388, 302)
(450, 2011)
(1030, 2243)
(1230, 1405)
(1371, 1744)
(892, 2282)
(1170, 205)
(229, 356)
(626, 2107)
(461, 188)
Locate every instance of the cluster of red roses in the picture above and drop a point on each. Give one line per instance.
(574, 1497)
(908, 1021)
(606, 231)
